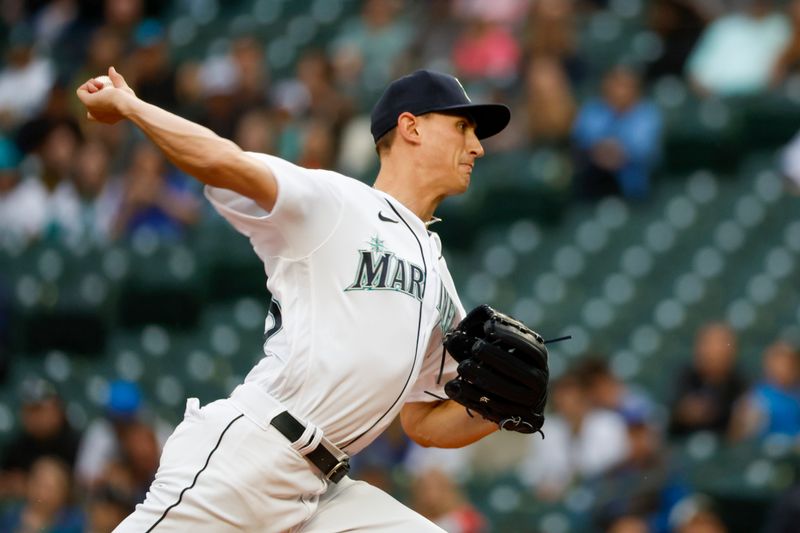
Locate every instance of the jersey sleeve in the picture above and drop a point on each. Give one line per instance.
(306, 212)
(427, 380)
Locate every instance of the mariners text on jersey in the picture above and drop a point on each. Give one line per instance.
(381, 269)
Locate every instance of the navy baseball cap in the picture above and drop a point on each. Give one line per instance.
(426, 91)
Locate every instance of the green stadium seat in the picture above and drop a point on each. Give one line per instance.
(231, 268)
(619, 288)
(591, 237)
(166, 285)
(637, 261)
(200, 366)
(702, 187)
(550, 288)
(729, 236)
(155, 341)
(701, 135)
(250, 314)
(569, 261)
(597, 313)
(669, 314)
(769, 121)
(130, 365)
(57, 366)
(169, 391)
(528, 310)
(660, 237)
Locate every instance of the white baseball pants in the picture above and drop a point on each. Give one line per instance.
(226, 469)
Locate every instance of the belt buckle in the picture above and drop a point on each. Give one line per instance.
(339, 470)
(342, 466)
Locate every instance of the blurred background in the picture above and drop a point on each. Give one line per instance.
(642, 200)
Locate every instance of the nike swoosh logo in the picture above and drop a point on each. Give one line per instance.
(386, 219)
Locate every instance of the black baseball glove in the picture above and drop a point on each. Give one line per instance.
(502, 370)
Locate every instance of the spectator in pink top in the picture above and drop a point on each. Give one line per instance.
(486, 50)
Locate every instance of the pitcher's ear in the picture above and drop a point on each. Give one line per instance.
(408, 127)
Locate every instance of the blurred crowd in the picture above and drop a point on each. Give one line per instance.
(55, 478)
(616, 440)
(64, 178)
(67, 180)
(601, 433)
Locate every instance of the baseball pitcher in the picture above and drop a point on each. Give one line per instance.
(365, 324)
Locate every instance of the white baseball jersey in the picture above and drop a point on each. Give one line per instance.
(361, 298)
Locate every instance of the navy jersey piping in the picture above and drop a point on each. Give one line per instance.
(419, 329)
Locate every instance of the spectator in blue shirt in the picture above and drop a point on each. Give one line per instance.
(617, 139)
(154, 198)
(773, 405)
(48, 507)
